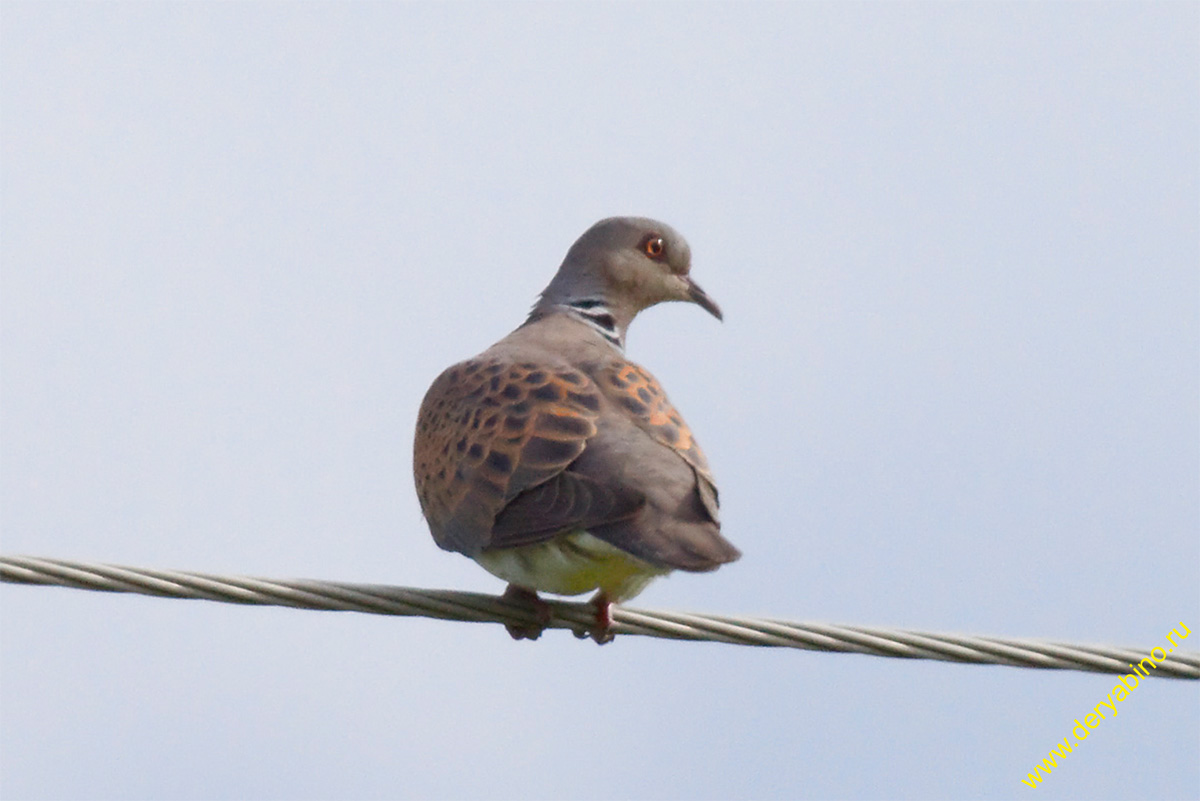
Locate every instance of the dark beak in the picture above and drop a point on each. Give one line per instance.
(700, 298)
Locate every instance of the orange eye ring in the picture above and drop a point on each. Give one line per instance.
(654, 246)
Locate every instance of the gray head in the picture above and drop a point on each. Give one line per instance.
(619, 267)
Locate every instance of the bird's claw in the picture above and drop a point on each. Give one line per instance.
(602, 633)
(539, 608)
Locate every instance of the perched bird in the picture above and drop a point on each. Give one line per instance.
(557, 464)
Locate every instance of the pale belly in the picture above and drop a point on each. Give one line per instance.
(572, 564)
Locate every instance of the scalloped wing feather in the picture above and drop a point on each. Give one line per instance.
(633, 389)
(491, 429)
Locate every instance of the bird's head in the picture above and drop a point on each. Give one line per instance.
(627, 264)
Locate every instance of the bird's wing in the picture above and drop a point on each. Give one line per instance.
(633, 390)
(493, 433)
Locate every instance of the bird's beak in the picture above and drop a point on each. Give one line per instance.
(700, 298)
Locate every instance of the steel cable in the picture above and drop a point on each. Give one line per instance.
(480, 608)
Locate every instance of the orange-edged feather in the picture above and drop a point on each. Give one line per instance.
(488, 431)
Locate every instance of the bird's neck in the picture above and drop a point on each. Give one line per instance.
(608, 321)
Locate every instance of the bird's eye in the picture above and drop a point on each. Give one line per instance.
(654, 247)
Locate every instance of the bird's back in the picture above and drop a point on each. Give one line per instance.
(525, 443)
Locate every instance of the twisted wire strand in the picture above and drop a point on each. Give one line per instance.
(480, 608)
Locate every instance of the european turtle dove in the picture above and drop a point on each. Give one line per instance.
(557, 464)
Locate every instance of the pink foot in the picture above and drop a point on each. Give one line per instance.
(603, 632)
(539, 608)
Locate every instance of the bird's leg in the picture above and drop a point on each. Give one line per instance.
(539, 608)
(603, 632)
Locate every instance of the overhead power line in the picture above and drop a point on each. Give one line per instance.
(480, 608)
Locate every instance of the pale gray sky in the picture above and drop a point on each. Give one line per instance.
(957, 386)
